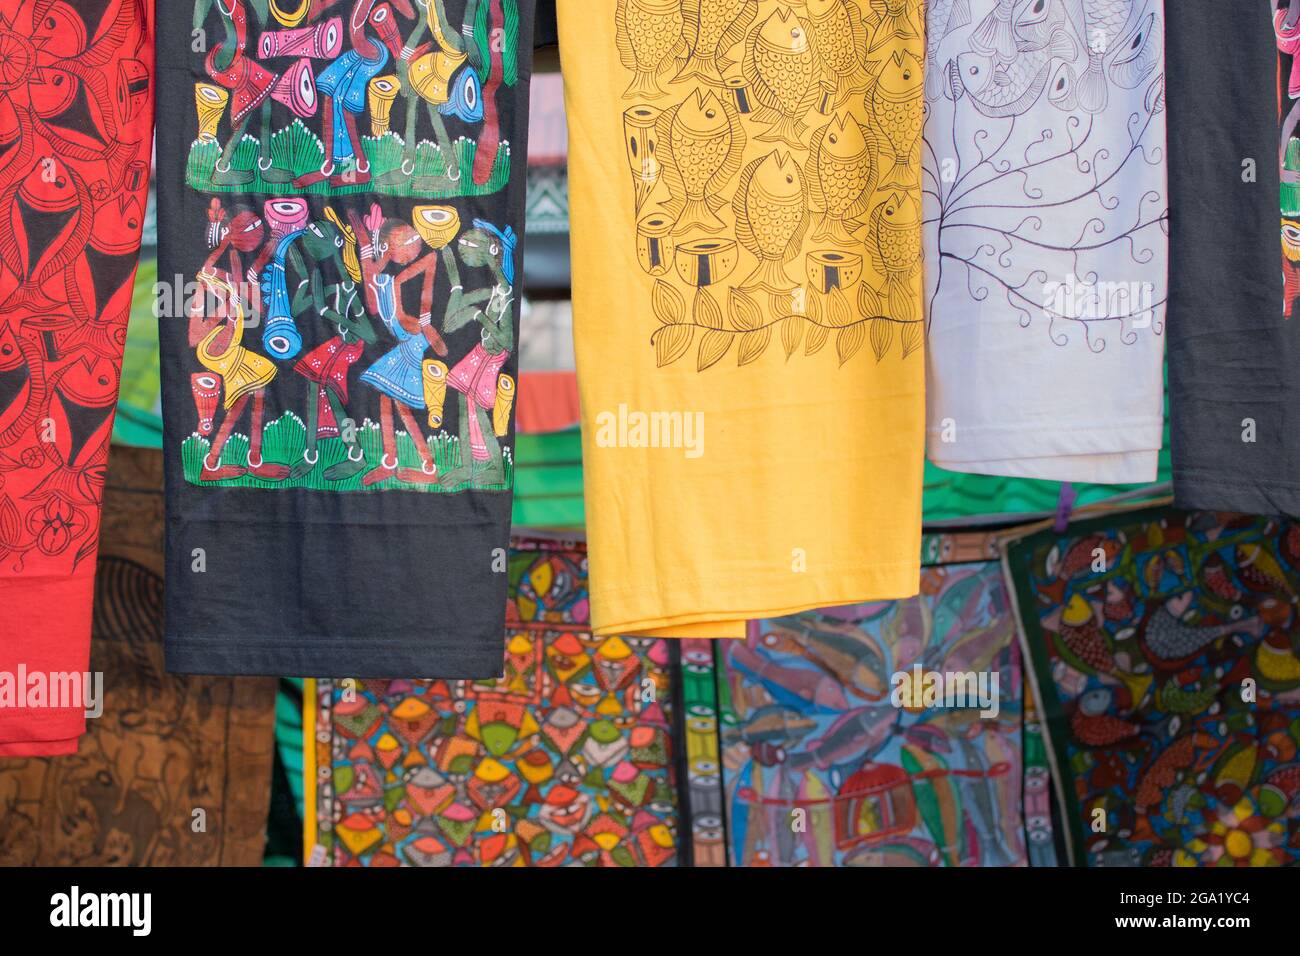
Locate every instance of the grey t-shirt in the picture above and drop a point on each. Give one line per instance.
(1234, 333)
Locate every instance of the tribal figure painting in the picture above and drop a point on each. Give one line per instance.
(76, 125)
(340, 217)
(745, 198)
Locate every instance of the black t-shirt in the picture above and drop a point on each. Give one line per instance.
(1234, 331)
(340, 209)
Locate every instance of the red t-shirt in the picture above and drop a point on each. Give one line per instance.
(76, 136)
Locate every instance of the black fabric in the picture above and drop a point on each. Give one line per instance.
(1232, 354)
(547, 32)
(314, 574)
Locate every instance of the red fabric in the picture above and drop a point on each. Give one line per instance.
(76, 135)
(547, 402)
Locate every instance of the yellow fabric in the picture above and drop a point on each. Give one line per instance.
(757, 272)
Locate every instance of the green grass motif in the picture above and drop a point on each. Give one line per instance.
(284, 440)
(297, 148)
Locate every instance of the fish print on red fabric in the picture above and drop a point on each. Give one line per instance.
(76, 123)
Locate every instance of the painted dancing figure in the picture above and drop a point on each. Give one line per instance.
(343, 84)
(397, 374)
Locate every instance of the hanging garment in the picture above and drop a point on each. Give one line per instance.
(1046, 237)
(162, 741)
(76, 124)
(745, 206)
(1234, 340)
(341, 197)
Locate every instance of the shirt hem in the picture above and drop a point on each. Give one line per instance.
(889, 582)
(239, 658)
(1210, 493)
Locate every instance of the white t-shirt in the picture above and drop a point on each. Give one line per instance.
(1046, 237)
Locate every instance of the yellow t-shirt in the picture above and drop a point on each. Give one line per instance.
(744, 187)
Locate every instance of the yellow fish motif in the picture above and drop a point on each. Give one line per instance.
(782, 69)
(896, 252)
(771, 219)
(649, 37)
(712, 28)
(841, 175)
(700, 147)
(897, 103)
(840, 39)
(891, 21)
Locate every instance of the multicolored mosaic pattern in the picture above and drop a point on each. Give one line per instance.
(565, 761)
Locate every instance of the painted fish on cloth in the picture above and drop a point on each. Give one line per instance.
(781, 68)
(712, 28)
(771, 219)
(893, 21)
(1042, 18)
(996, 36)
(895, 226)
(898, 105)
(841, 175)
(700, 148)
(840, 40)
(649, 37)
(1139, 55)
(942, 17)
(1103, 22)
(1010, 89)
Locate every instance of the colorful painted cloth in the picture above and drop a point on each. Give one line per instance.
(1046, 237)
(76, 124)
(176, 771)
(1234, 337)
(345, 177)
(821, 765)
(1164, 645)
(745, 204)
(565, 761)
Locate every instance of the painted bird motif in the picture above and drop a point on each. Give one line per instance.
(1094, 725)
(897, 104)
(895, 250)
(841, 173)
(781, 69)
(1260, 571)
(649, 37)
(771, 219)
(700, 147)
(840, 40)
(713, 27)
